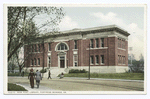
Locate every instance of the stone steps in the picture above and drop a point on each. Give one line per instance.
(55, 72)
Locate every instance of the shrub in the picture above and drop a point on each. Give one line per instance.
(43, 71)
(77, 71)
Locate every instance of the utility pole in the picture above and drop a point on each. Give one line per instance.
(43, 53)
(89, 62)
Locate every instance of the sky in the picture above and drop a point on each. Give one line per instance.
(129, 18)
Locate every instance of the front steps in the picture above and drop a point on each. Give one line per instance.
(55, 72)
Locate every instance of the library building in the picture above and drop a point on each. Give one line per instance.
(104, 49)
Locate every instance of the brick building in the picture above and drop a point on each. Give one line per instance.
(104, 48)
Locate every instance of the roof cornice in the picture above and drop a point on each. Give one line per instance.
(88, 30)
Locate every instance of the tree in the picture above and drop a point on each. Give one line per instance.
(22, 28)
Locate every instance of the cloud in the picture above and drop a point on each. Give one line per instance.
(67, 24)
(136, 39)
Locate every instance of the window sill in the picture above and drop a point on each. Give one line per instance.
(74, 49)
(122, 49)
(97, 48)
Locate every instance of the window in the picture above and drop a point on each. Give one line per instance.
(123, 59)
(97, 43)
(123, 44)
(38, 61)
(34, 61)
(49, 46)
(97, 59)
(119, 59)
(102, 59)
(35, 48)
(38, 47)
(75, 60)
(62, 46)
(91, 43)
(75, 44)
(31, 61)
(49, 60)
(31, 48)
(91, 60)
(102, 42)
(118, 43)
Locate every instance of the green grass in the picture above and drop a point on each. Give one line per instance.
(14, 87)
(130, 76)
(17, 74)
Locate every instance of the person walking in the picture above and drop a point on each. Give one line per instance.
(49, 75)
(31, 77)
(38, 78)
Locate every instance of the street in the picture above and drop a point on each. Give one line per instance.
(70, 84)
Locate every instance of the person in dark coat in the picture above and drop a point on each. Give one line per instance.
(49, 75)
(31, 76)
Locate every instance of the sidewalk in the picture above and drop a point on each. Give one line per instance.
(104, 79)
(41, 88)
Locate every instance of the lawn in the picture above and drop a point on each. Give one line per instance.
(17, 74)
(130, 76)
(14, 87)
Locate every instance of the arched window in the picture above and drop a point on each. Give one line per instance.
(62, 46)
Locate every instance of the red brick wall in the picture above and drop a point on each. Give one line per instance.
(111, 49)
(110, 54)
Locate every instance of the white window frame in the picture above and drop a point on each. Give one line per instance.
(91, 60)
(75, 61)
(102, 42)
(97, 59)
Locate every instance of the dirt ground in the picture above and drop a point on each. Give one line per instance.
(68, 84)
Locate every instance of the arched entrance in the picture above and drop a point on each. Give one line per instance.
(61, 49)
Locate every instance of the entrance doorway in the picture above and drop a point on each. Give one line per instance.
(62, 62)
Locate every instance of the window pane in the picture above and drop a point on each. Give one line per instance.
(75, 44)
(92, 62)
(38, 61)
(102, 42)
(49, 46)
(97, 43)
(39, 47)
(62, 46)
(75, 64)
(34, 61)
(91, 43)
(49, 60)
(75, 58)
(102, 59)
(97, 59)
(35, 48)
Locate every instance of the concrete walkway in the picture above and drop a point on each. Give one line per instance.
(104, 79)
(41, 88)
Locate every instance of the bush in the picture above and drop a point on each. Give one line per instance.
(43, 71)
(77, 71)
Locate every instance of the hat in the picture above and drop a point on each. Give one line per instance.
(31, 70)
